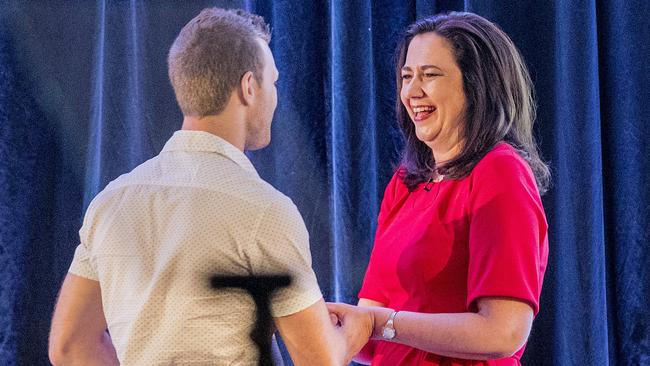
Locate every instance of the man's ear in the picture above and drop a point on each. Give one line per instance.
(247, 88)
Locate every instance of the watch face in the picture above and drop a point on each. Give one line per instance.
(389, 333)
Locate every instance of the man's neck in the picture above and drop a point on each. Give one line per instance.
(226, 127)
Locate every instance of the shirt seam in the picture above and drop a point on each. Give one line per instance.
(145, 184)
(259, 222)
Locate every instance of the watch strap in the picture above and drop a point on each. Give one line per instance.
(388, 331)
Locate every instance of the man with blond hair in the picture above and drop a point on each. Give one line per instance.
(153, 237)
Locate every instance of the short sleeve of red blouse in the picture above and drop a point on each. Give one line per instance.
(369, 289)
(507, 240)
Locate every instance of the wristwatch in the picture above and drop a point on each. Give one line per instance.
(388, 332)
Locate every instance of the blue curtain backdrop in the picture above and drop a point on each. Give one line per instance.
(84, 97)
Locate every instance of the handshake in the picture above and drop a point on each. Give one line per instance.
(357, 326)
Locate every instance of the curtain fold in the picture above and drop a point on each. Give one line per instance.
(625, 119)
(84, 97)
(578, 203)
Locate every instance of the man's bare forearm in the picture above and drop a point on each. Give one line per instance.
(101, 353)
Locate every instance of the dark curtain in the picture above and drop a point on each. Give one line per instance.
(84, 97)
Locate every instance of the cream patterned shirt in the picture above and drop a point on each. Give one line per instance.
(154, 237)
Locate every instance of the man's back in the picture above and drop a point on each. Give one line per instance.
(154, 237)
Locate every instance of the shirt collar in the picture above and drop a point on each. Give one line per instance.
(185, 140)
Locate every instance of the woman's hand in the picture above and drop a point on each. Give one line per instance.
(498, 330)
(355, 324)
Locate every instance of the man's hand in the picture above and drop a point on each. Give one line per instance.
(312, 338)
(355, 325)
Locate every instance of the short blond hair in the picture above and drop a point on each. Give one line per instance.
(211, 54)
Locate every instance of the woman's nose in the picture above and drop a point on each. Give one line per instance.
(413, 89)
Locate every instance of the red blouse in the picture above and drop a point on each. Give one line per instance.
(438, 251)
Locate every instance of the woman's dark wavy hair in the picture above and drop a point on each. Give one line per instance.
(499, 100)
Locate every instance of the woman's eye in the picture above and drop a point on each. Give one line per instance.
(406, 76)
(431, 75)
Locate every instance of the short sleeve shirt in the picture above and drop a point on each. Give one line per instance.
(154, 237)
(444, 245)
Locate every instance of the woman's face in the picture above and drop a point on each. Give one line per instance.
(432, 92)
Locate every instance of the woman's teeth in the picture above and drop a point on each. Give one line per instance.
(420, 109)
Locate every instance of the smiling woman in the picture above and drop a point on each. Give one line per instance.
(432, 93)
(456, 271)
(471, 63)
